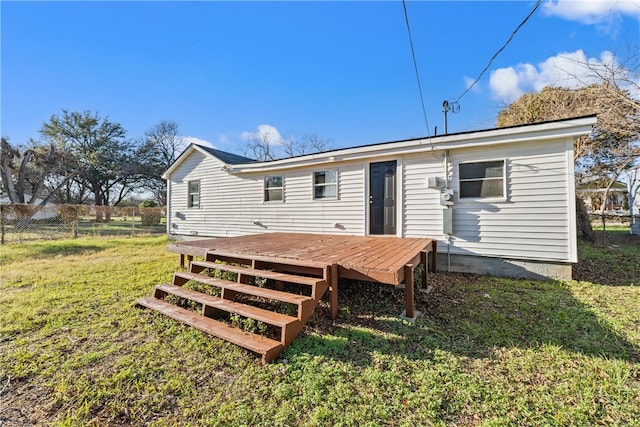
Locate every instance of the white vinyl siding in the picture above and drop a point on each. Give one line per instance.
(234, 203)
(421, 210)
(534, 219)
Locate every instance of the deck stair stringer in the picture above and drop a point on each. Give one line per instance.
(263, 288)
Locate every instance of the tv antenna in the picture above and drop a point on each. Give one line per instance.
(447, 106)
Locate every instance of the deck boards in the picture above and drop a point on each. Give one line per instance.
(378, 259)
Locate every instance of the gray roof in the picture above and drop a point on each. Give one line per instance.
(228, 158)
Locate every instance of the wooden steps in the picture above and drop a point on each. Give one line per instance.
(236, 302)
(209, 301)
(268, 348)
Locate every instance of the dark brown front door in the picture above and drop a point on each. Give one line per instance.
(382, 198)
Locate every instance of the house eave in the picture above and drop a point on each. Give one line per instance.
(570, 128)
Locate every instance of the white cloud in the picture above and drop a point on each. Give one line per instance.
(570, 70)
(194, 140)
(505, 84)
(606, 15)
(592, 11)
(267, 133)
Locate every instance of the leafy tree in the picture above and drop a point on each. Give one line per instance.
(105, 161)
(34, 172)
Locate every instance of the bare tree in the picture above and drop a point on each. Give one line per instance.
(260, 147)
(263, 148)
(308, 144)
(614, 145)
(160, 149)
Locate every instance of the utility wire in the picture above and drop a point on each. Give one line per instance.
(415, 66)
(499, 50)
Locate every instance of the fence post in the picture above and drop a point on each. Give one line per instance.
(2, 224)
(76, 223)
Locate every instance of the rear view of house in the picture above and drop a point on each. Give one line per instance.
(499, 201)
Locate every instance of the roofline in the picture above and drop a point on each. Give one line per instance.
(565, 128)
(186, 153)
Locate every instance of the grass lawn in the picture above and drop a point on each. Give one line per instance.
(75, 350)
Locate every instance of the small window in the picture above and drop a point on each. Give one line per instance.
(273, 188)
(482, 179)
(325, 184)
(193, 194)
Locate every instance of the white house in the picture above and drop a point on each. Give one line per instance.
(499, 201)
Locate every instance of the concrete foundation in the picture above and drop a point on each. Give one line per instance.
(504, 267)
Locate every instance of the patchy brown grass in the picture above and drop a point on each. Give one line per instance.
(75, 351)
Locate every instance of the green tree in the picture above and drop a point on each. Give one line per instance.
(105, 163)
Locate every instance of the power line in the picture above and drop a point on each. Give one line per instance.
(415, 66)
(495, 55)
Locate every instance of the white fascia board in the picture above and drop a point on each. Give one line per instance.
(536, 132)
(182, 157)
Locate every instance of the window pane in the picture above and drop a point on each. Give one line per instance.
(325, 177)
(492, 188)
(482, 170)
(272, 195)
(193, 194)
(325, 192)
(273, 181)
(482, 188)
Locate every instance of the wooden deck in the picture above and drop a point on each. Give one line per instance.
(261, 273)
(375, 259)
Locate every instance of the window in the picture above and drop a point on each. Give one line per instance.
(482, 179)
(325, 184)
(273, 188)
(193, 200)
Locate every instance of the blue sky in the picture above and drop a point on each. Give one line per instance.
(340, 70)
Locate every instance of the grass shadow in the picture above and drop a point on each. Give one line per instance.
(472, 317)
(50, 249)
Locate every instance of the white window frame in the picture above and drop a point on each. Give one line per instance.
(265, 189)
(314, 185)
(190, 194)
(502, 197)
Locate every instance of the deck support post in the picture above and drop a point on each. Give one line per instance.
(182, 262)
(434, 256)
(333, 291)
(409, 313)
(425, 266)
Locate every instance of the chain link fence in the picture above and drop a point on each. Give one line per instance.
(26, 222)
(620, 219)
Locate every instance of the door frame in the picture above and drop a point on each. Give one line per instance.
(399, 197)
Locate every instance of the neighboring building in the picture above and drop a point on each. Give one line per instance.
(591, 195)
(499, 201)
(48, 211)
(634, 199)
